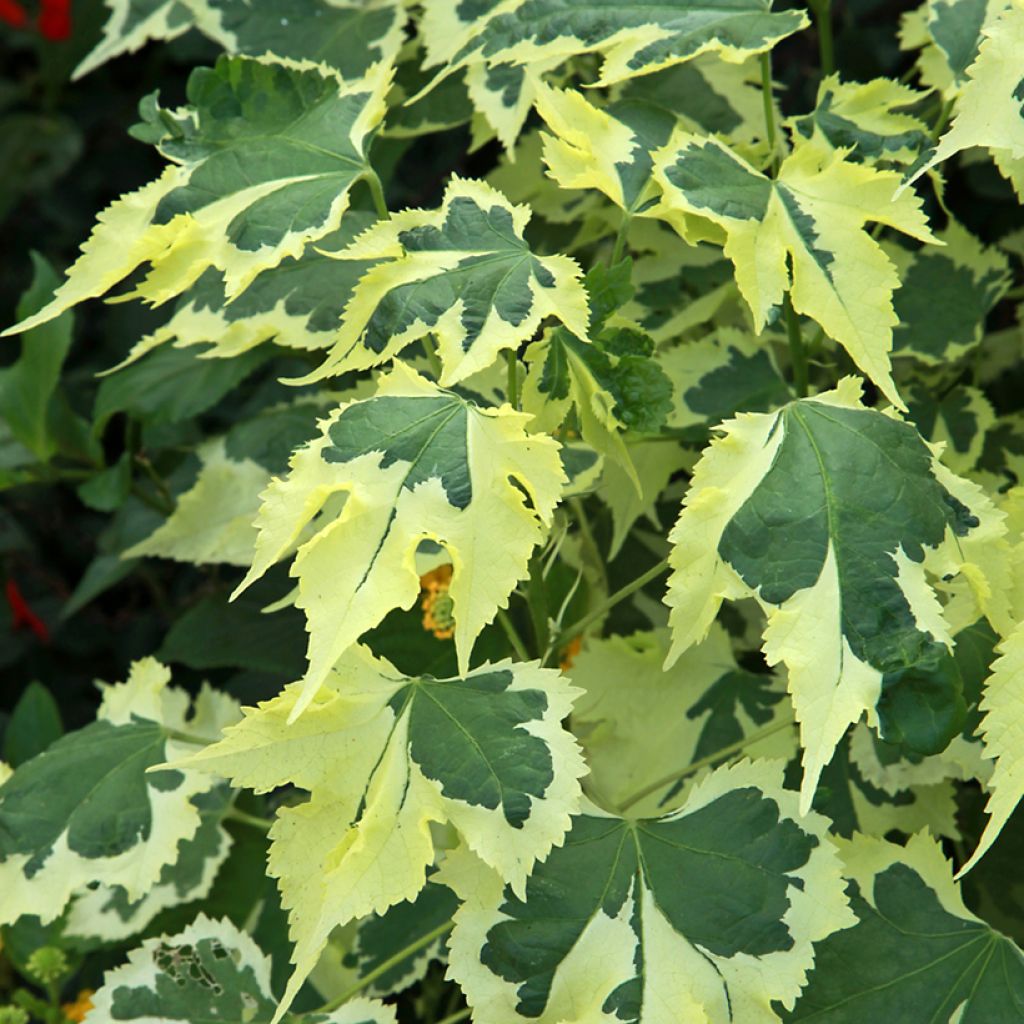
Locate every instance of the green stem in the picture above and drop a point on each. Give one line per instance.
(769, 110)
(704, 762)
(576, 628)
(454, 1018)
(513, 635)
(537, 602)
(823, 22)
(400, 957)
(945, 112)
(377, 193)
(512, 387)
(797, 352)
(590, 549)
(252, 820)
(619, 249)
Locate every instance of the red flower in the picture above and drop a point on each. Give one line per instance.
(21, 614)
(13, 13)
(54, 21)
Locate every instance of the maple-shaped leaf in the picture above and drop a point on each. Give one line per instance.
(825, 512)
(802, 232)
(262, 161)
(211, 971)
(463, 273)
(990, 110)
(413, 463)
(632, 39)
(706, 914)
(638, 722)
(870, 119)
(348, 35)
(87, 811)
(916, 953)
(384, 755)
(298, 303)
(611, 149)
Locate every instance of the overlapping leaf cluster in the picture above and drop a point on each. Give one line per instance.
(598, 800)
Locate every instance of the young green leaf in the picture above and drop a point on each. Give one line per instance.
(463, 273)
(28, 385)
(803, 232)
(383, 755)
(412, 463)
(825, 512)
(262, 162)
(706, 914)
(86, 810)
(35, 724)
(916, 952)
(990, 111)
(211, 971)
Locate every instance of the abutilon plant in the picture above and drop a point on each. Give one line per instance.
(646, 495)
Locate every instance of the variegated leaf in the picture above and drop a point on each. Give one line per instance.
(413, 463)
(463, 273)
(719, 375)
(384, 755)
(831, 515)
(802, 231)
(87, 811)
(632, 39)
(638, 722)
(709, 913)
(871, 119)
(211, 971)
(348, 35)
(250, 183)
(945, 295)
(990, 110)
(916, 952)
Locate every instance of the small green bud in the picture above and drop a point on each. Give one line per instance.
(47, 963)
(13, 1015)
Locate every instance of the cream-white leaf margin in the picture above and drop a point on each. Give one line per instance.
(363, 841)
(681, 982)
(360, 563)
